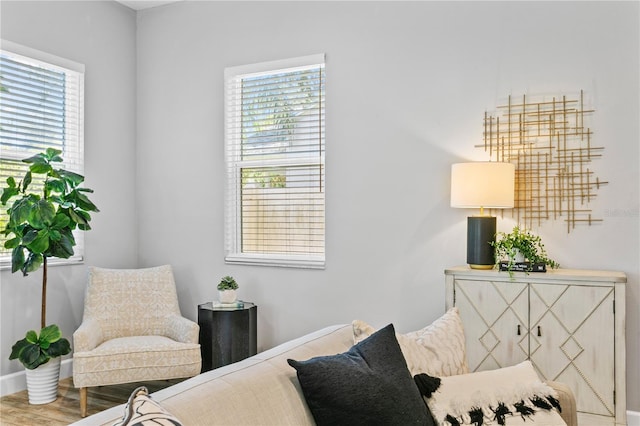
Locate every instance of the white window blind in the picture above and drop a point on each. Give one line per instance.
(274, 148)
(41, 106)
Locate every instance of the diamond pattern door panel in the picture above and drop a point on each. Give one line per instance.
(493, 313)
(572, 327)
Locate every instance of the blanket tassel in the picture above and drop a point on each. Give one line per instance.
(555, 403)
(477, 416)
(501, 412)
(452, 420)
(523, 409)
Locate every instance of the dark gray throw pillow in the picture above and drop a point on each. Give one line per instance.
(368, 385)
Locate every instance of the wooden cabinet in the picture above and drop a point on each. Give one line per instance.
(569, 323)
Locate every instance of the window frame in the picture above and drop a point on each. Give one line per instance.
(73, 162)
(234, 165)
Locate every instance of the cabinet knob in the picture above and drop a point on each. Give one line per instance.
(539, 332)
(518, 329)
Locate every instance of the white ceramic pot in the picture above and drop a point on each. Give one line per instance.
(42, 382)
(227, 296)
(519, 257)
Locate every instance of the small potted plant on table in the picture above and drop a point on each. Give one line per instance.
(227, 289)
(520, 250)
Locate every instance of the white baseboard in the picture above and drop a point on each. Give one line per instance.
(16, 382)
(633, 418)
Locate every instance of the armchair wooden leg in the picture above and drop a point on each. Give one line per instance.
(83, 402)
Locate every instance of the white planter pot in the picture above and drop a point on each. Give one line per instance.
(227, 296)
(519, 257)
(42, 382)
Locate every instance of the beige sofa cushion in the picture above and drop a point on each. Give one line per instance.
(437, 349)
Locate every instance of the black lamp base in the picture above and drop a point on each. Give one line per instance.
(481, 231)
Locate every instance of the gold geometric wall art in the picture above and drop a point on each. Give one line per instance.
(552, 149)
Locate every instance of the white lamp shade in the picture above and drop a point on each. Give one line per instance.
(482, 185)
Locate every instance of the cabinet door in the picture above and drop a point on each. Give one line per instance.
(572, 341)
(495, 320)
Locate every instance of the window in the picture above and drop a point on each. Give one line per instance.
(41, 106)
(274, 147)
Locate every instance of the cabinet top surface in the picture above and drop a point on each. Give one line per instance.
(209, 306)
(550, 275)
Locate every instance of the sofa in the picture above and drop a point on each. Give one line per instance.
(264, 389)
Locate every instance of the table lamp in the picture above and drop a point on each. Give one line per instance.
(482, 185)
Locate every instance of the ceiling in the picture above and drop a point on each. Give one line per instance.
(145, 4)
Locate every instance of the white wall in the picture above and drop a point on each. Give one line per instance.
(407, 87)
(100, 35)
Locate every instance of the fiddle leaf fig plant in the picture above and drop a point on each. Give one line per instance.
(530, 246)
(41, 223)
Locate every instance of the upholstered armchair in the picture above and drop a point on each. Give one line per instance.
(132, 331)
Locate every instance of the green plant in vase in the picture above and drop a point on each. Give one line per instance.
(41, 224)
(227, 289)
(227, 283)
(508, 247)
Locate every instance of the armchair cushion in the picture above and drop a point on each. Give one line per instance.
(135, 358)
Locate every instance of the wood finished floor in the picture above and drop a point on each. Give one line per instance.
(15, 409)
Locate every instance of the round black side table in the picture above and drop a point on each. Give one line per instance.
(227, 335)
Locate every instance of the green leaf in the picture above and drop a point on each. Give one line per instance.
(18, 347)
(59, 348)
(31, 357)
(11, 182)
(85, 203)
(50, 334)
(74, 179)
(41, 243)
(55, 185)
(84, 227)
(21, 209)
(60, 221)
(17, 259)
(32, 336)
(76, 216)
(26, 181)
(42, 214)
(30, 235)
(62, 248)
(40, 169)
(44, 344)
(36, 159)
(7, 193)
(12, 243)
(52, 154)
(33, 262)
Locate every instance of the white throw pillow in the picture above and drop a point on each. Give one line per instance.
(516, 389)
(438, 349)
